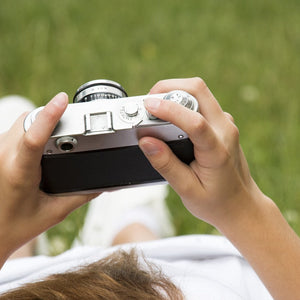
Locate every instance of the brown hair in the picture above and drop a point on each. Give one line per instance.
(118, 276)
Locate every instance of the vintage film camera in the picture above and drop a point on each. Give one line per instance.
(94, 146)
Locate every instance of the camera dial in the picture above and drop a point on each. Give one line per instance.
(132, 112)
(182, 98)
(99, 89)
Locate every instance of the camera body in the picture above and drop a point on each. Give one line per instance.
(94, 146)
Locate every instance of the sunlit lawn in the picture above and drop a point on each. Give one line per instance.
(247, 52)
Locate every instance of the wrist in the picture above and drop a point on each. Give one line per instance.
(248, 211)
(268, 243)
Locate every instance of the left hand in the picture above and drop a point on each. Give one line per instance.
(26, 211)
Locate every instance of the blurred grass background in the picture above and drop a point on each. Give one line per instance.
(246, 51)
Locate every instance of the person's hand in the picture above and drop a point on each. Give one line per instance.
(217, 185)
(25, 211)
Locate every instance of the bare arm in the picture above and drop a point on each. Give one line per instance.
(25, 211)
(217, 187)
(270, 245)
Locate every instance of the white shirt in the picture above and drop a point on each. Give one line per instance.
(202, 266)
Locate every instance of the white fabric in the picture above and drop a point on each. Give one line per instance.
(11, 107)
(203, 266)
(112, 211)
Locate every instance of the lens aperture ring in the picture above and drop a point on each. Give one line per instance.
(99, 89)
(96, 96)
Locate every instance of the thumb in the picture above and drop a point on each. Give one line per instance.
(164, 161)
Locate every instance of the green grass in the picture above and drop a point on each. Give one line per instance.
(247, 52)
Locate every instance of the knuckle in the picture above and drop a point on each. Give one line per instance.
(31, 143)
(159, 86)
(229, 116)
(160, 83)
(199, 124)
(199, 83)
(222, 156)
(234, 133)
(164, 166)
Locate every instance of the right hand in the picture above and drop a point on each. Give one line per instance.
(217, 185)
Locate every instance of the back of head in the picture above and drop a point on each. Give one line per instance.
(118, 276)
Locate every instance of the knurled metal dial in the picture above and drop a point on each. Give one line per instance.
(182, 98)
(131, 112)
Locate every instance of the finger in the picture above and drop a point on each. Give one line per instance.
(179, 175)
(198, 129)
(208, 105)
(33, 142)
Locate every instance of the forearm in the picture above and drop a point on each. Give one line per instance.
(269, 244)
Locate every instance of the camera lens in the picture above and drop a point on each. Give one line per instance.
(99, 89)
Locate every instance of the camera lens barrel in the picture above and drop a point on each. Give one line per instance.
(99, 89)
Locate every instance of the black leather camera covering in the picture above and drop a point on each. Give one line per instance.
(104, 169)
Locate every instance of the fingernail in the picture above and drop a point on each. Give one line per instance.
(60, 99)
(149, 148)
(152, 103)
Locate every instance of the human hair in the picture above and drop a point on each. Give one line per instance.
(118, 276)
